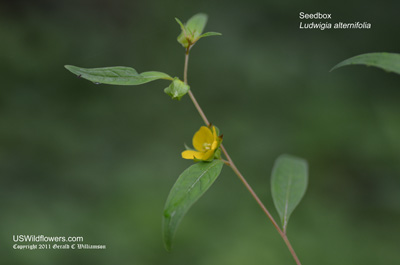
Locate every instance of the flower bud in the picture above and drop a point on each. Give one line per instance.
(177, 89)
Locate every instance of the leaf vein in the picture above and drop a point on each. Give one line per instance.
(287, 203)
(198, 179)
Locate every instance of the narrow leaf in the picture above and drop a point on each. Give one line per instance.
(180, 24)
(117, 75)
(189, 187)
(208, 34)
(288, 185)
(386, 61)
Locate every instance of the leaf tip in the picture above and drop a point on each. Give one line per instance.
(201, 14)
(72, 69)
(167, 242)
(168, 249)
(335, 67)
(180, 24)
(178, 21)
(292, 157)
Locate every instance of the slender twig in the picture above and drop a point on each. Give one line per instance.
(196, 104)
(185, 70)
(225, 162)
(230, 163)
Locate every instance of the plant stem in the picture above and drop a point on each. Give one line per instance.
(235, 169)
(196, 104)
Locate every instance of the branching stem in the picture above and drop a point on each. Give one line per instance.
(230, 163)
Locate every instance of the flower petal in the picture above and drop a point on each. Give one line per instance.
(215, 145)
(207, 155)
(217, 139)
(190, 154)
(214, 132)
(203, 135)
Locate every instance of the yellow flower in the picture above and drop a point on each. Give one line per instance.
(206, 142)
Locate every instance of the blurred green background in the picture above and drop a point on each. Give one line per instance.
(98, 161)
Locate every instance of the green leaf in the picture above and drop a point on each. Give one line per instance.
(177, 89)
(180, 24)
(192, 30)
(288, 185)
(117, 75)
(386, 61)
(208, 34)
(196, 24)
(182, 39)
(189, 187)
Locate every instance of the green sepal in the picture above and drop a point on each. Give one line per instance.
(216, 128)
(188, 148)
(217, 154)
(177, 89)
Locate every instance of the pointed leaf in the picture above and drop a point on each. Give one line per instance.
(154, 75)
(117, 75)
(288, 185)
(192, 30)
(208, 34)
(189, 187)
(180, 24)
(196, 24)
(386, 61)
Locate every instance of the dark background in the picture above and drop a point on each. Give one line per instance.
(98, 161)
